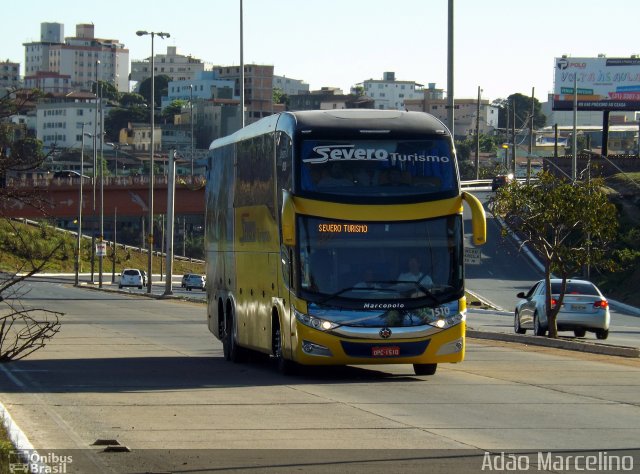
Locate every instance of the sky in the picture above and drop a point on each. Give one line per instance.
(501, 46)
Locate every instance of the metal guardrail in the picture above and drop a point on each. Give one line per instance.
(475, 182)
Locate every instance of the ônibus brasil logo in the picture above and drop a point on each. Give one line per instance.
(351, 153)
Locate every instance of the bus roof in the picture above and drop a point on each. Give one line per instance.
(365, 120)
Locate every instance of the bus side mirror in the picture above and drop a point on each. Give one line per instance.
(478, 219)
(288, 220)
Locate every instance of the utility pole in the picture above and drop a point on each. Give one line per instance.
(450, 82)
(533, 93)
(478, 136)
(241, 65)
(513, 133)
(170, 218)
(574, 141)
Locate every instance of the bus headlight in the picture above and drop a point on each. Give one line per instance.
(313, 322)
(448, 321)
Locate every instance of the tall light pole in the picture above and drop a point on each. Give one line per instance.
(152, 103)
(242, 65)
(478, 135)
(115, 147)
(77, 279)
(101, 237)
(450, 82)
(191, 103)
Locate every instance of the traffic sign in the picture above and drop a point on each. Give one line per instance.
(472, 256)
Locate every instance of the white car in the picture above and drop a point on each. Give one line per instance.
(584, 308)
(131, 277)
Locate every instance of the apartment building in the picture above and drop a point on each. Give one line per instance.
(9, 75)
(205, 86)
(178, 67)
(59, 121)
(389, 93)
(290, 86)
(258, 89)
(83, 58)
(466, 111)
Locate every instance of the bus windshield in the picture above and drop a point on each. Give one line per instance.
(349, 263)
(378, 167)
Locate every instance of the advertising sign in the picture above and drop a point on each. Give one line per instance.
(101, 249)
(602, 83)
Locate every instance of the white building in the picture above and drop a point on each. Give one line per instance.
(290, 86)
(177, 66)
(59, 123)
(205, 86)
(388, 93)
(84, 58)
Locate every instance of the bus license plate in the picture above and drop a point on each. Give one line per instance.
(385, 351)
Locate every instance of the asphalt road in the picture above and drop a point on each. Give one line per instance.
(145, 377)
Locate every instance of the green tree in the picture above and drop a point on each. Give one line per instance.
(173, 109)
(107, 91)
(161, 88)
(568, 225)
(131, 99)
(119, 118)
(523, 111)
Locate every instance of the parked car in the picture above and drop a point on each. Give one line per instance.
(501, 180)
(584, 308)
(131, 277)
(195, 281)
(68, 174)
(183, 284)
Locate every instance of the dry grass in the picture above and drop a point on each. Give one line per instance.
(19, 242)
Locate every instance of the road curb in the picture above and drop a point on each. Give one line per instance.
(94, 287)
(560, 343)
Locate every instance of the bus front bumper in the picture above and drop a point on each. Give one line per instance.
(314, 347)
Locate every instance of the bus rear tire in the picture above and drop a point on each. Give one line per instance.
(232, 351)
(425, 369)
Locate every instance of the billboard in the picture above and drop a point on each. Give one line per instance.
(602, 83)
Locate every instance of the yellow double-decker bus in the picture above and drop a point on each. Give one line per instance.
(335, 237)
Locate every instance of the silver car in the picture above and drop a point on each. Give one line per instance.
(584, 308)
(195, 281)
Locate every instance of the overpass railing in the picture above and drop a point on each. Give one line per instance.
(122, 181)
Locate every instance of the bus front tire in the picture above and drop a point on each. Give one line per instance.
(284, 365)
(425, 369)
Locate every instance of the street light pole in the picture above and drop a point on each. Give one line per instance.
(151, 177)
(191, 103)
(115, 147)
(101, 238)
(77, 280)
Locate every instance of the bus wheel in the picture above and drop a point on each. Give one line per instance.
(232, 351)
(425, 369)
(285, 366)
